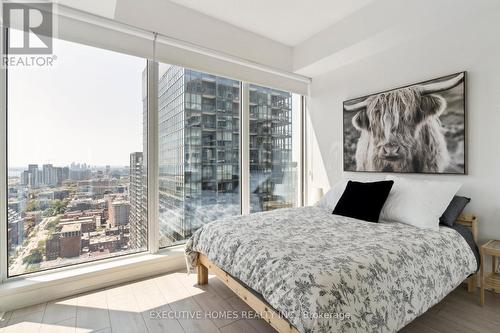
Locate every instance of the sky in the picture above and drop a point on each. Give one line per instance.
(87, 108)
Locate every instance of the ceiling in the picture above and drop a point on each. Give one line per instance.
(287, 21)
(105, 8)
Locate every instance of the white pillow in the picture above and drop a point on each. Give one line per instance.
(330, 199)
(418, 202)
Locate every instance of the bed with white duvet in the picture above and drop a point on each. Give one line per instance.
(330, 273)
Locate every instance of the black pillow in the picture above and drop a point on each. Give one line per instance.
(454, 210)
(363, 201)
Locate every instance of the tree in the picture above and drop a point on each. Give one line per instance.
(31, 206)
(35, 256)
(56, 207)
(52, 225)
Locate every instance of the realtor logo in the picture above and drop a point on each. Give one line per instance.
(30, 27)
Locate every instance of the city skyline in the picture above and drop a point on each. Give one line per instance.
(126, 165)
(64, 214)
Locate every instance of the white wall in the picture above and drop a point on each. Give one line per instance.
(468, 41)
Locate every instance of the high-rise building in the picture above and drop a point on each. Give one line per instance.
(25, 178)
(65, 173)
(199, 149)
(62, 174)
(46, 171)
(119, 212)
(79, 172)
(49, 175)
(273, 173)
(199, 171)
(138, 202)
(33, 175)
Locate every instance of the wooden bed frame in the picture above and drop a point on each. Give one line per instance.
(266, 311)
(470, 221)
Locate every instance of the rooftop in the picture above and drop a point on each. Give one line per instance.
(74, 227)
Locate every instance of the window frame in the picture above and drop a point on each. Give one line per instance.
(152, 172)
(3, 161)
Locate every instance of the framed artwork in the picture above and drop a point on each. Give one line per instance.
(420, 128)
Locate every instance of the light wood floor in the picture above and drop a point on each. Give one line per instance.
(127, 308)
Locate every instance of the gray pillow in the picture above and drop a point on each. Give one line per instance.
(454, 210)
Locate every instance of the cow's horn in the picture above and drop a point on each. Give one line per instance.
(356, 107)
(441, 86)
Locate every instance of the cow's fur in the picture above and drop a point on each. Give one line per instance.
(405, 119)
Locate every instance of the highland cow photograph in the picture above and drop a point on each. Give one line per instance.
(419, 128)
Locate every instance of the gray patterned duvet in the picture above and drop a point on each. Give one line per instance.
(328, 273)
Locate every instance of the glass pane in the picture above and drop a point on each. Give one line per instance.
(75, 159)
(198, 150)
(274, 148)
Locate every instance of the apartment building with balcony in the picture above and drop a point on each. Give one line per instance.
(199, 137)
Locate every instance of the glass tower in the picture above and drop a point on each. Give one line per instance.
(199, 160)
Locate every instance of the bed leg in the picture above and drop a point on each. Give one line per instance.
(472, 283)
(202, 274)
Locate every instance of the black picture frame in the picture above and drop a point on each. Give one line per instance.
(349, 160)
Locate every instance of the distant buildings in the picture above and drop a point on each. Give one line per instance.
(61, 194)
(17, 205)
(97, 187)
(48, 176)
(79, 172)
(138, 202)
(87, 223)
(66, 243)
(80, 204)
(64, 173)
(78, 233)
(91, 219)
(32, 177)
(107, 242)
(70, 240)
(25, 178)
(15, 229)
(119, 212)
(75, 215)
(52, 246)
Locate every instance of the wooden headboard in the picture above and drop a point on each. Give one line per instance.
(470, 221)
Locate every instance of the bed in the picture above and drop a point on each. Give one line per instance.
(307, 270)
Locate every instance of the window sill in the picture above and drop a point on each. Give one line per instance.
(34, 288)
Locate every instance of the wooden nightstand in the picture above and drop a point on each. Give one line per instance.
(490, 280)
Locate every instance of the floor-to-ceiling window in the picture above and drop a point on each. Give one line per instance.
(80, 139)
(76, 138)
